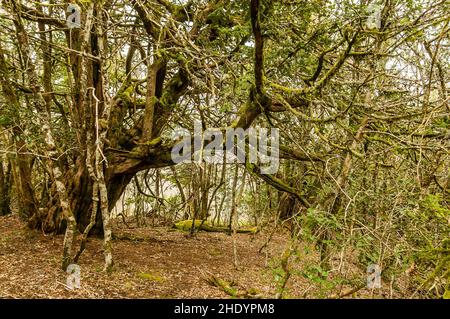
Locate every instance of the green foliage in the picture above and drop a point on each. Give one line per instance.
(433, 205)
(186, 225)
(151, 276)
(446, 294)
(316, 220)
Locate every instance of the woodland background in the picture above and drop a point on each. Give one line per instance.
(358, 88)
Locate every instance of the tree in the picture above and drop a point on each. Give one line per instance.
(361, 107)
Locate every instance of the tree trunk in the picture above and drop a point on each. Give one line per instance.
(80, 187)
(5, 179)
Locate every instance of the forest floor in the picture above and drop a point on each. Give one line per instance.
(150, 262)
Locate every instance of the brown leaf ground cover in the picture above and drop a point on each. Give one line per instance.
(150, 262)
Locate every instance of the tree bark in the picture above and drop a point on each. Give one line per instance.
(5, 181)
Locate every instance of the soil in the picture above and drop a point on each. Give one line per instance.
(150, 262)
